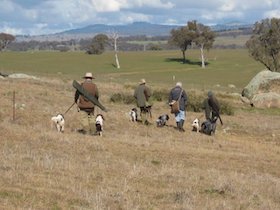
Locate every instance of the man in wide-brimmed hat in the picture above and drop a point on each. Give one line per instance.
(142, 94)
(85, 106)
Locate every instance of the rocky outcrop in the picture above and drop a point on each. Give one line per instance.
(263, 90)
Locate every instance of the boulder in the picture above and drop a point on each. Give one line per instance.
(264, 90)
(266, 100)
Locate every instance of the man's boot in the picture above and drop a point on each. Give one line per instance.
(143, 118)
(182, 126)
(178, 126)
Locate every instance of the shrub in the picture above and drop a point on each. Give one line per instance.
(122, 98)
(160, 95)
(129, 86)
(155, 47)
(226, 108)
(194, 102)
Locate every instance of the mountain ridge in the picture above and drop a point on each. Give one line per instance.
(133, 29)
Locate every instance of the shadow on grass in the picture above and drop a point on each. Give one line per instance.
(187, 61)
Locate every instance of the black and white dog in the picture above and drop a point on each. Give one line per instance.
(196, 125)
(209, 127)
(133, 115)
(59, 122)
(162, 120)
(99, 124)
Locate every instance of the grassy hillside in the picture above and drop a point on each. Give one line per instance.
(133, 166)
(239, 40)
(158, 67)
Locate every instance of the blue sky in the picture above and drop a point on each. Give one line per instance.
(49, 16)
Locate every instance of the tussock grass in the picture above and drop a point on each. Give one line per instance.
(195, 100)
(132, 166)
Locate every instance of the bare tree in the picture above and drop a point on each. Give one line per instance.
(114, 36)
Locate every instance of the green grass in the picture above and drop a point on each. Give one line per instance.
(271, 111)
(231, 40)
(147, 42)
(158, 67)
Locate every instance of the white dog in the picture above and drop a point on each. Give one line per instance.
(133, 115)
(99, 124)
(59, 122)
(196, 125)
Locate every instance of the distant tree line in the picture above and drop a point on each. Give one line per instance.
(156, 43)
(125, 43)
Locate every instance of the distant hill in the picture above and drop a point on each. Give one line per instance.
(144, 28)
(134, 29)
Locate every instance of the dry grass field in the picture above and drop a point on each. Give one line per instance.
(132, 166)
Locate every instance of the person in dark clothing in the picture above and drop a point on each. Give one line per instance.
(142, 94)
(177, 93)
(211, 106)
(86, 108)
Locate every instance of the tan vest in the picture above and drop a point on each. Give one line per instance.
(92, 89)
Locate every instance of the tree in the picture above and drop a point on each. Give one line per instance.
(182, 38)
(204, 38)
(115, 36)
(5, 39)
(98, 44)
(264, 44)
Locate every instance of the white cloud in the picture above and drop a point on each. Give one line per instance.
(64, 14)
(228, 6)
(117, 5)
(30, 14)
(272, 14)
(133, 17)
(108, 5)
(153, 4)
(171, 21)
(10, 30)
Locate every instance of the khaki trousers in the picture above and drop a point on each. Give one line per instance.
(87, 121)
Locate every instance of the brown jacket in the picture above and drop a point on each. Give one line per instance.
(84, 103)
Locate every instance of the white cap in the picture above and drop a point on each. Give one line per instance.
(179, 84)
(142, 81)
(88, 75)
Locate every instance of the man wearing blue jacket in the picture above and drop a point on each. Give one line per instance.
(178, 93)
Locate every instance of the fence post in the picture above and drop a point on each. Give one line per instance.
(14, 106)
